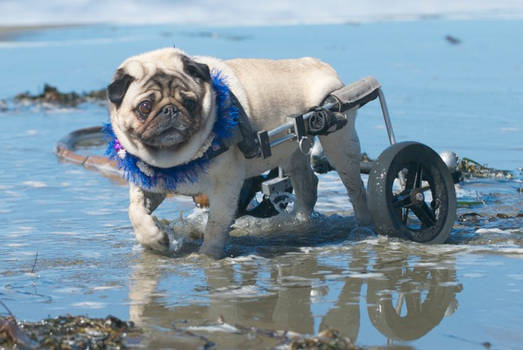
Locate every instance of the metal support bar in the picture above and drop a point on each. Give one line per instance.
(282, 140)
(280, 129)
(386, 117)
(390, 132)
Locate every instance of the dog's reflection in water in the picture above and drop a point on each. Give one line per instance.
(299, 292)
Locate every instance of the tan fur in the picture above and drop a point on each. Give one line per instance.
(269, 91)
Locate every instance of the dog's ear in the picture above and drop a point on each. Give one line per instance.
(117, 89)
(196, 69)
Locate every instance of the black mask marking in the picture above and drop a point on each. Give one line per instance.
(117, 89)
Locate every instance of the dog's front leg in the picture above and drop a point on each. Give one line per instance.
(141, 205)
(223, 203)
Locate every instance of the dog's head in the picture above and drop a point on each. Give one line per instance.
(162, 107)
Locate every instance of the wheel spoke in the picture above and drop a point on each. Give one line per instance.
(424, 188)
(424, 214)
(414, 176)
(405, 216)
(402, 200)
(411, 176)
(401, 299)
(413, 302)
(419, 176)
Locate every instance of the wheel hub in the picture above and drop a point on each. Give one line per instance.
(417, 197)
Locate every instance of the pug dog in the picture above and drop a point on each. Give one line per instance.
(164, 108)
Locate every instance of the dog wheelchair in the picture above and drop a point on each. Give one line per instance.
(410, 188)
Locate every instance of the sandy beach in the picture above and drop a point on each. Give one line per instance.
(6, 32)
(10, 32)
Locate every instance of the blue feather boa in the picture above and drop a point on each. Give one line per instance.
(149, 177)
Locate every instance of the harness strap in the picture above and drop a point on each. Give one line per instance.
(249, 144)
(244, 136)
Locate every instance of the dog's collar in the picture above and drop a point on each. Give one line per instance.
(149, 177)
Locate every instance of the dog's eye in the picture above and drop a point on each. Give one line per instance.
(189, 104)
(144, 109)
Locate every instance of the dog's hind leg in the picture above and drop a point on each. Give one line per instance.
(342, 149)
(304, 182)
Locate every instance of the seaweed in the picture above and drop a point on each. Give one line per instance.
(471, 168)
(68, 332)
(325, 340)
(51, 95)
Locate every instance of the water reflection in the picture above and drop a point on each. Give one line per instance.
(413, 297)
(407, 294)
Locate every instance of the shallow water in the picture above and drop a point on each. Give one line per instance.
(68, 246)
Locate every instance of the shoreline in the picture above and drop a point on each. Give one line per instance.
(9, 33)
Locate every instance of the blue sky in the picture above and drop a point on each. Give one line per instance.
(247, 12)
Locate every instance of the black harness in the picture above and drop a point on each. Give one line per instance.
(244, 136)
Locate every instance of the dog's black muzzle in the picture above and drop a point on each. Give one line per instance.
(168, 111)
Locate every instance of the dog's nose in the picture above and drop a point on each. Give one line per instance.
(169, 110)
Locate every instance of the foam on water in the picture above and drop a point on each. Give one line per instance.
(219, 327)
(90, 305)
(34, 184)
(238, 292)
(284, 230)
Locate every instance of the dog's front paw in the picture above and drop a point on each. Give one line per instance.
(159, 242)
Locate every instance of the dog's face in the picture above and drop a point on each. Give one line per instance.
(162, 107)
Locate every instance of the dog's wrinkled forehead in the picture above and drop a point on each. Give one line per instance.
(145, 65)
(142, 67)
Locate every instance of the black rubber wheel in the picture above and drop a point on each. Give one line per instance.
(411, 194)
